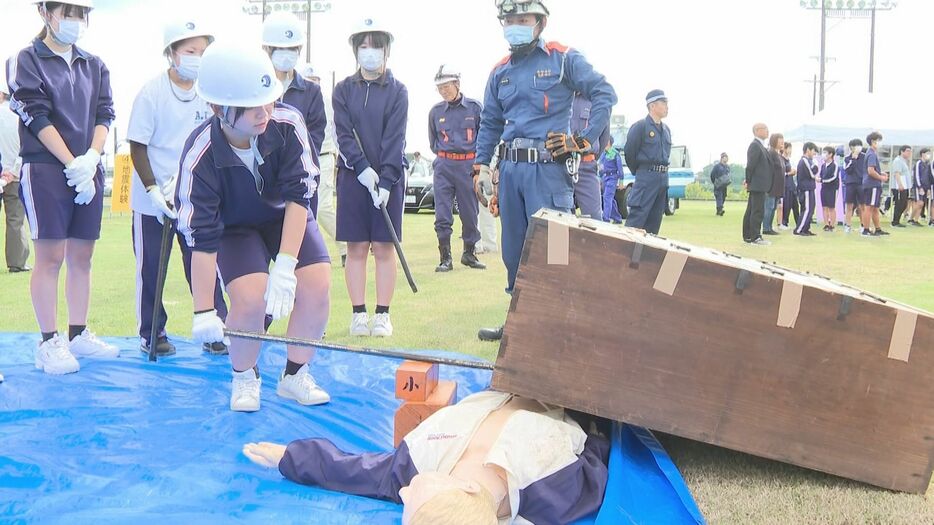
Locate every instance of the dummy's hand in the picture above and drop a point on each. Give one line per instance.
(494, 206)
(207, 327)
(280, 288)
(380, 198)
(562, 144)
(264, 454)
(159, 202)
(483, 183)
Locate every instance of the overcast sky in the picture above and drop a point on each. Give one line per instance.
(723, 63)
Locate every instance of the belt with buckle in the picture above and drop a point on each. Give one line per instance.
(659, 168)
(525, 150)
(457, 156)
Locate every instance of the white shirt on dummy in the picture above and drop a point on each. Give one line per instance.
(162, 120)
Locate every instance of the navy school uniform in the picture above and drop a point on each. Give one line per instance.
(452, 135)
(790, 203)
(224, 209)
(74, 98)
(807, 170)
(527, 96)
(872, 188)
(306, 97)
(923, 180)
(829, 184)
(647, 149)
(587, 195)
(853, 181)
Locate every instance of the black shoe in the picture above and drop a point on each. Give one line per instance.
(163, 347)
(880, 231)
(490, 334)
(469, 258)
(447, 263)
(19, 269)
(216, 348)
(344, 261)
(914, 223)
(809, 234)
(770, 232)
(898, 225)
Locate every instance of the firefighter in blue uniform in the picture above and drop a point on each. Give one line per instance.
(648, 147)
(527, 105)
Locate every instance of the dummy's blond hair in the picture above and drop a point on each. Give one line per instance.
(456, 507)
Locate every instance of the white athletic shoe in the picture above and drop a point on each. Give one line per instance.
(301, 387)
(87, 344)
(782, 227)
(244, 391)
(360, 324)
(382, 326)
(53, 357)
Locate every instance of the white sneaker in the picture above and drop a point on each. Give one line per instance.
(382, 326)
(87, 344)
(301, 387)
(782, 227)
(360, 324)
(244, 391)
(847, 229)
(53, 357)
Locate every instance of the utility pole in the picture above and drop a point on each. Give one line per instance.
(823, 51)
(872, 47)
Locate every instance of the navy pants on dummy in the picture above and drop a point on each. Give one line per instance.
(587, 190)
(147, 236)
(807, 211)
(720, 196)
(610, 207)
(647, 200)
(525, 188)
(454, 178)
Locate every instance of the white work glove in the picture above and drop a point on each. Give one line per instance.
(380, 198)
(82, 167)
(3, 183)
(280, 288)
(159, 202)
(207, 327)
(483, 185)
(370, 180)
(86, 191)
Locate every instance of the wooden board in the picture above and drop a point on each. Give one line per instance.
(723, 349)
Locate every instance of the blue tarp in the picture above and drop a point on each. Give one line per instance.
(127, 441)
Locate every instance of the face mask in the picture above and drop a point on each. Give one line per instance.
(370, 59)
(188, 66)
(284, 60)
(857, 149)
(926, 157)
(69, 31)
(518, 35)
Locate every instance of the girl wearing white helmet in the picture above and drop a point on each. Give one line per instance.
(63, 98)
(165, 112)
(244, 190)
(370, 115)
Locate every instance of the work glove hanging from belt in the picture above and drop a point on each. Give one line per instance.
(483, 183)
(560, 144)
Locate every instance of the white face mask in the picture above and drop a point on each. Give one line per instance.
(926, 157)
(284, 60)
(371, 58)
(69, 31)
(188, 66)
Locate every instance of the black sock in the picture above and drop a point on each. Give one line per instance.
(74, 330)
(359, 308)
(48, 335)
(292, 368)
(255, 370)
(382, 309)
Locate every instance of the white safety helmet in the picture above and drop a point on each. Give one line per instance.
(80, 3)
(447, 73)
(237, 76)
(520, 7)
(282, 29)
(179, 30)
(306, 70)
(370, 25)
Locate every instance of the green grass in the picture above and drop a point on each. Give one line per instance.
(730, 487)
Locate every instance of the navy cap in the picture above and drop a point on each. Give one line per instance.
(655, 95)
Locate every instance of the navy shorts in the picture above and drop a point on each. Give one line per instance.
(872, 196)
(50, 204)
(915, 194)
(357, 219)
(828, 196)
(248, 249)
(853, 194)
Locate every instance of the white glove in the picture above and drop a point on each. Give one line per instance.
(381, 198)
(158, 199)
(82, 167)
(485, 181)
(370, 180)
(207, 327)
(280, 288)
(86, 191)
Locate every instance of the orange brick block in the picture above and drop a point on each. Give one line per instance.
(412, 413)
(415, 380)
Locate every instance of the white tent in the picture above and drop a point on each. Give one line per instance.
(901, 120)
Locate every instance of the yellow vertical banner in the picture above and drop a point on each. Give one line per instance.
(123, 173)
